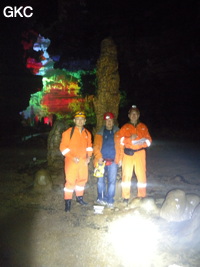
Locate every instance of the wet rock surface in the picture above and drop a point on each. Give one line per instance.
(179, 206)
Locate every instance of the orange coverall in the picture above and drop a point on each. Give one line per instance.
(136, 162)
(76, 174)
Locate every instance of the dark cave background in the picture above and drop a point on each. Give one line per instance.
(158, 46)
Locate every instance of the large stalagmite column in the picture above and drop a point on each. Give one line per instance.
(108, 95)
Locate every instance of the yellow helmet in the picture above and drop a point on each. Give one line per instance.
(80, 114)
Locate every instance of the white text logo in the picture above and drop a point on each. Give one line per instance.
(13, 12)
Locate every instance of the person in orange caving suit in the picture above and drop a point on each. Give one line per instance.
(76, 146)
(134, 139)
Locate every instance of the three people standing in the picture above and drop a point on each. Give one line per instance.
(112, 147)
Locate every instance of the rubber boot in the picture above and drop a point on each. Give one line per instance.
(67, 205)
(80, 201)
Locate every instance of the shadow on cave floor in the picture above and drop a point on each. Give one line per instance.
(15, 244)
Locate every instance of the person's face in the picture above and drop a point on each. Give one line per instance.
(79, 121)
(133, 116)
(109, 124)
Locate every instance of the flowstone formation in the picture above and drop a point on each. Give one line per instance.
(108, 95)
(61, 92)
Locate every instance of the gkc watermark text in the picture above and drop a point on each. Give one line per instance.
(13, 12)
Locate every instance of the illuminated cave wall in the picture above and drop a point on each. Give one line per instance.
(60, 95)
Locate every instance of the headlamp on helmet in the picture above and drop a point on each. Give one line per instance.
(80, 114)
(108, 115)
(133, 108)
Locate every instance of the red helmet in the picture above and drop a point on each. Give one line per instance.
(133, 108)
(108, 115)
